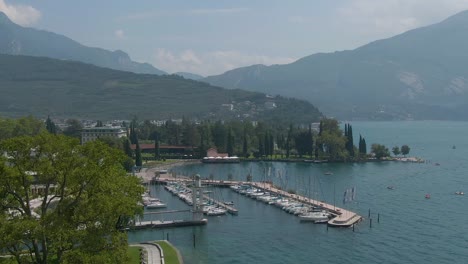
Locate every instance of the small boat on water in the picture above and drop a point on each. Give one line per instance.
(459, 193)
(156, 205)
(391, 187)
(427, 196)
(228, 202)
(328, 173)
(316, 217)
(216, 211)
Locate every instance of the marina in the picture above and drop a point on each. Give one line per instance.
(412, 229)
(339, 217)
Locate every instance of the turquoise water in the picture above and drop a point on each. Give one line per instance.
(412, 229)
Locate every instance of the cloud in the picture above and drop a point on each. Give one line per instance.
(210, 63)
(388, 17)
(21, 14)
(119, 33)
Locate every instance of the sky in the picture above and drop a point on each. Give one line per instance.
(209, 37)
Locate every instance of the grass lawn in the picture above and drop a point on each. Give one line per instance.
(170, 255)
(134, 255)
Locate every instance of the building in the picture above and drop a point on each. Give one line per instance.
(212, 156)
(93, 133)
(213, 152)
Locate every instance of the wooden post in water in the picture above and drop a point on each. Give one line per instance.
(369, 213)
(378, 218)
(193, 240)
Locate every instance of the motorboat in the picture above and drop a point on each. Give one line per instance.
(156, 205)
(216, 211)
(459, 193)
(316, 217)
(391, 187)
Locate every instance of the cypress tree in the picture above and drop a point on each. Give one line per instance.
(350, 141)
(50, 126)
(364, 146)
(261, 146)
(310, 141)
(127, 148)
(272, 145)
(245, 146)
(138, 160)
(230, 147)
(156, 146)
(267, 144)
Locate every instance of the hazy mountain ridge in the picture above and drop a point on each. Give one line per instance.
(18, 40)
(422, 74)
(42, 86)
(189, 75)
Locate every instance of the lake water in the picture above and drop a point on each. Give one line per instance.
(412, 229)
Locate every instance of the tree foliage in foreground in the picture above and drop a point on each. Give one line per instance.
(87, 197)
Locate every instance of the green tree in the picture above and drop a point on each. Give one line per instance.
(73, 129)
(245, 147)
(405, 149)
(127, 147)
(50, 126)
(138, 158)
(157, 151)
(396, 150)
(24, 126)
(380, 151)
(230, 143)
(86, 199)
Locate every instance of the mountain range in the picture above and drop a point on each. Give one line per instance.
(18, 40)
(420, 74)
(65, 89)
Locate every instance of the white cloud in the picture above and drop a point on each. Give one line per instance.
(119, 33)
(389, 17)
(21, 14)
(210, 63)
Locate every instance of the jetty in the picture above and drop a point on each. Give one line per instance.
(229, 209)
(342, 217)
(165, 224)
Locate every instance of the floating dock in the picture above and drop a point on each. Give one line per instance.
(228, 208)
(343, 217)
(165, 224)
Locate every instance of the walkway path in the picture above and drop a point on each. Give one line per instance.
(154, 256)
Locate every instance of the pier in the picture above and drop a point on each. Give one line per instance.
(229, 209)
(343, 217)
(165, 224)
